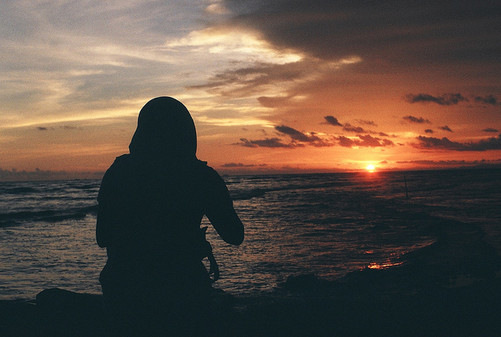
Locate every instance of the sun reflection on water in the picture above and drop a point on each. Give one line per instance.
(385, 265)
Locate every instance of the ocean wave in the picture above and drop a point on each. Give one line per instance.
(84, 186)
(246, 194)
(15, 218)
(18, 190)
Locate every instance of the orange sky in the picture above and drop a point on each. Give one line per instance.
(280, 86)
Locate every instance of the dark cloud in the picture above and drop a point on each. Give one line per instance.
(332, 121)
(451, 163)
(370, 141)
(268, 142)
(489, 99)
(296, 135)
(345, 141)
(428, 131)
(419, 120)
(445, 99)
(364, 141)
(404, 32)
(350, 128)
(493, 143)
(445, 128)
(432, 162)
(297, 139)
(65, 127)
(491, 130)
(240, 165)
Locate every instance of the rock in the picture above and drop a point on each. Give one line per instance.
(66, 313)
(18, 318)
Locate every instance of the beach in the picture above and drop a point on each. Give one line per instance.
(325, 255)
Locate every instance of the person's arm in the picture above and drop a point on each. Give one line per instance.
(221, 213)
(103, 234)
(103, 225)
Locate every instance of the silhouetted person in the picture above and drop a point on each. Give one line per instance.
(151, 204)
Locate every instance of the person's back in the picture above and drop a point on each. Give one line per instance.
(151, 203)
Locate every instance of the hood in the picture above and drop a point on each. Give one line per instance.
(165, 130)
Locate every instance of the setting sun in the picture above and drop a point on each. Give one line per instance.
(370, 168)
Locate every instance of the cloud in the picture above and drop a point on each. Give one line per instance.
(332, 121)
(217, 8)
(418, 120)
(251, 80)
(428, 131)
(297, 139)
(302, 138)
(451, 99)
(241, 165)
(368, 140)
(364, 141)
(240, 42)
(350, 128)
(258, 77)
(345, 141)
(268, 142)
(397, 32)
(452, 163)
(273, 102)
(65, 127)
(347, 126)
(296, 135)
(445, 99)
(493, 143)
(69, 127)
(362, 121)
(490, 130)
(489, 99)
(356, 129)
(445, 128)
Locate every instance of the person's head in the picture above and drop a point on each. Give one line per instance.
(165, 129)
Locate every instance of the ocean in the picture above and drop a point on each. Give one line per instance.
(329, 225)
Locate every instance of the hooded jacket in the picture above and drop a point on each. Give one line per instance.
(151, 202)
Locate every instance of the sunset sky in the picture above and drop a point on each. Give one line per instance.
(273, 86)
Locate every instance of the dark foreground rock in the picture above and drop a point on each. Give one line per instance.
(55, 312)
(304, 306)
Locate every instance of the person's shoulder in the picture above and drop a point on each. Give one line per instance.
(118, 165)
(113, 176)
(121, 160)
(208, 173)
(205, 169)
